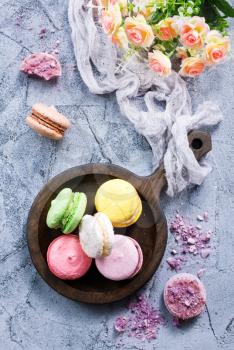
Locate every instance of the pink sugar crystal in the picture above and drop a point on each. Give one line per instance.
(176, 263)
(205, 253)
(43, 65)
(144, 321)
(200, 273)
(121, 324)
(191, 238)
(173, 252)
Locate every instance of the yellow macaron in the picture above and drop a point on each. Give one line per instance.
(119, 200)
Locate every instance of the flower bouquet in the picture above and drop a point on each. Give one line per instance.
(139, 49)
(161, 32)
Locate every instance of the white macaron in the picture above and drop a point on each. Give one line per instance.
(96, 235)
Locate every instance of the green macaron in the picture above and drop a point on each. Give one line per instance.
(66, 210)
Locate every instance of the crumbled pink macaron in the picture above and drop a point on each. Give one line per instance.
(184, 296)
(143, 321)
(42, 65)
(191, 238)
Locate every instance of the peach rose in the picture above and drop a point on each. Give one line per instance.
(164, 30)
(120, 39)
(213, 36)
(159, 63)
(193, 32)
(111, 19)
(192, 66)
(138, 31)
(217, 47)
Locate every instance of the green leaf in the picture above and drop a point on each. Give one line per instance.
(213, 17)
(224, 7)
(209, 11)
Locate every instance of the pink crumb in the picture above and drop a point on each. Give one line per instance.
(200, 273)
(144, 321)
(43, 65)
(191, 238)
(176, 263)
(176, 322)
(121, 324)
(43, 31)
(205, 253)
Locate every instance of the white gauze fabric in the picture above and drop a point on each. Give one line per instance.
(140, 93)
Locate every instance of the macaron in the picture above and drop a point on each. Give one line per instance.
(119, 200)
(124, 261)
(184, 296)
(66, 259)
(96, 235)
(47, 121)
(66, 210)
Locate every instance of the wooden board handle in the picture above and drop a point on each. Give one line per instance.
(199, 142)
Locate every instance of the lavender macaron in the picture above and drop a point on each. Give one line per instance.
(184, 296)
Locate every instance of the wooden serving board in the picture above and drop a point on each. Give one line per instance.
(150, 230)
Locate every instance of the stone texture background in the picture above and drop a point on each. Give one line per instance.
(32, 316)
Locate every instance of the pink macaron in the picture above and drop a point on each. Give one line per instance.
(184, 296)
(66, 259)
(124, 262)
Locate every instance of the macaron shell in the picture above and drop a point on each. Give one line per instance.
(174, 307)
(91, 237)
(108, 232)
(51, 113)
(66, 259)
(140, 255)
(58, 208)
(119, 200)
(121, 264)
(77, 210)
(132, 220)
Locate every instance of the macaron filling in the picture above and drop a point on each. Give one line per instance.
(39, 118)
(107, 244)
(96, 235)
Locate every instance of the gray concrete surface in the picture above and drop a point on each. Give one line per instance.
(32, 316)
